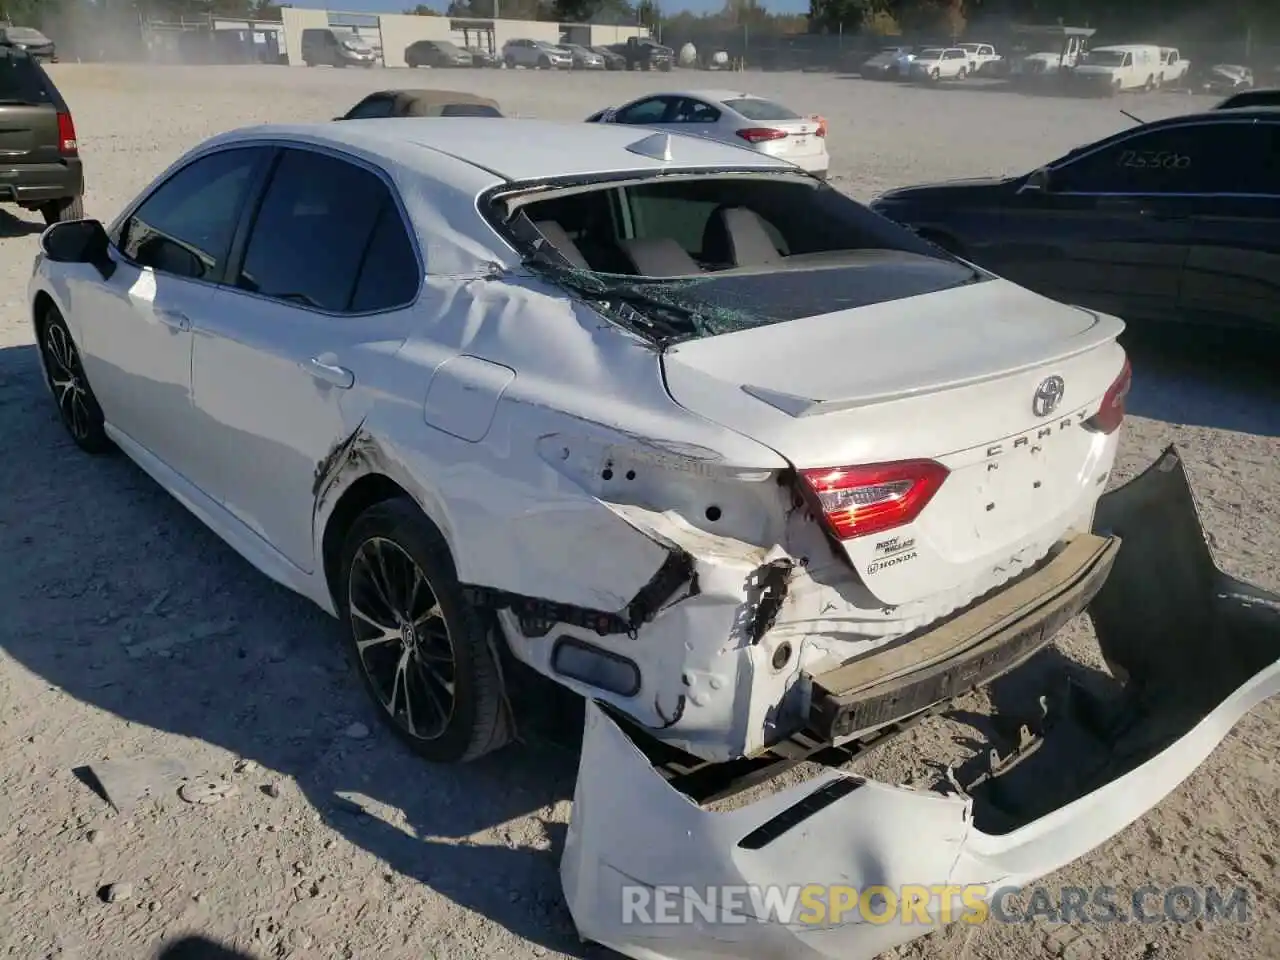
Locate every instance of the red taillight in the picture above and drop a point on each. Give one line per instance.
(67, 145)
(1111, 414)
(822, 125)
(761, 134)
(857, 501)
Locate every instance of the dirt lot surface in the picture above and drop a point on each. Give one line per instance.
(130, 632)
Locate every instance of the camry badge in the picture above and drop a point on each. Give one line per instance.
(1048, 395)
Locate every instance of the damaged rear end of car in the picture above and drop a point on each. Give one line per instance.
(1188, 651)
(914, 509)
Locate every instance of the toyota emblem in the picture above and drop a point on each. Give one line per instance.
(1048, 396)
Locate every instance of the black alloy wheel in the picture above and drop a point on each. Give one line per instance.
(64, 373)
(425, 655)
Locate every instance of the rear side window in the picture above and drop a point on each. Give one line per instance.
(1221, 158)
(389, 276)
(319, 219)
(185, 227)
(754, 108)
(21, 80)
(468, 110)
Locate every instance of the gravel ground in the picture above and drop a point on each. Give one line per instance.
(132, 632)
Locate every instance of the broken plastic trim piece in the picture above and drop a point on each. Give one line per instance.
(539, 616)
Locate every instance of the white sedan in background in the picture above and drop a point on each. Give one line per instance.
(936, 64)
(731, 116)
(753, 471)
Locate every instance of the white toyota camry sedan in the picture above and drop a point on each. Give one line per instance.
(755, 472)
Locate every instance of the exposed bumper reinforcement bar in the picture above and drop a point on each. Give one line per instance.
(968, 650)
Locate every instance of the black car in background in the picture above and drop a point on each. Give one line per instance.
(40, 165)
(483, 58)
(1256, 97)
(35, 43)
(612, 59)
(1178, 219)
(641, 53)
(437, 53)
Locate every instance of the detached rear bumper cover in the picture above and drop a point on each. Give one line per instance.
(1199, 650)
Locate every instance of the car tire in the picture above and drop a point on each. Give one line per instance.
(60, 211)
(433, 642)
(544, 63)
(64, 375)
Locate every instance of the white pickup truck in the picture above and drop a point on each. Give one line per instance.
(982, 57)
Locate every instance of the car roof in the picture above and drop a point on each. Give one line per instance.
(1259, 112)
(546, 149)
(427, 99)
(717, 95)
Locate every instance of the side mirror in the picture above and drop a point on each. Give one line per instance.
(79, 241)
(1038, 181)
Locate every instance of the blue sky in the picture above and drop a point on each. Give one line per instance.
(668, 6)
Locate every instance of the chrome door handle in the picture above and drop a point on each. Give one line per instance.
(174, 319)
(335, 376)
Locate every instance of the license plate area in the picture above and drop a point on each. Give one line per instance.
(1026, 482)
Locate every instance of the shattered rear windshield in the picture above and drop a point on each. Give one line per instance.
(679, 258)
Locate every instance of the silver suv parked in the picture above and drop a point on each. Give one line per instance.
(536, 53)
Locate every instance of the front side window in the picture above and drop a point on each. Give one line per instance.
(1223, 158)
(185, 227)
(316, 222)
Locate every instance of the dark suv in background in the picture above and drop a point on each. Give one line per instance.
(39, 157)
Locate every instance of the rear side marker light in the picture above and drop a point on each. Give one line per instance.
(67, 144)
(858, 501)
(761, 134)
(1111, 413)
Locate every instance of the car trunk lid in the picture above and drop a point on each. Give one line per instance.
(949, 377)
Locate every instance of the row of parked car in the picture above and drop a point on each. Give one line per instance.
(342, 46)
(1110, 69)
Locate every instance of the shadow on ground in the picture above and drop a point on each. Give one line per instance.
(126, 602)
(20, 226)
(1205, 377)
